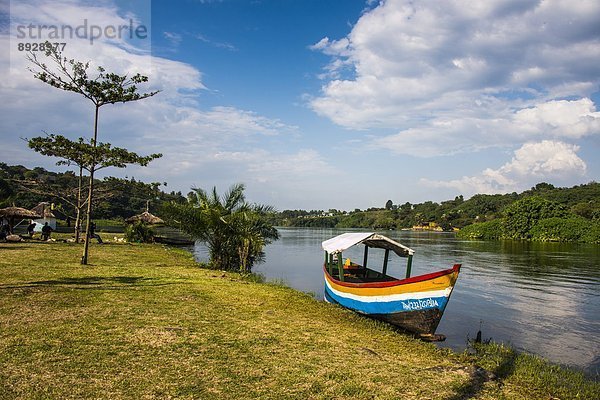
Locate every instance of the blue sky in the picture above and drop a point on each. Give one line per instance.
(329, 104)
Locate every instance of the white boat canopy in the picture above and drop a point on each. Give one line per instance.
(370, 239)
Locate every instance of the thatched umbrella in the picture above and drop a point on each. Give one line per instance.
(10, 213)
(146, 218)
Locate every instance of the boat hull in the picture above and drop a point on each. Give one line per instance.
(416, 304)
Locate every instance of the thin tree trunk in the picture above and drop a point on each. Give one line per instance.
(88, 217)
(78, 216)
(243, 252)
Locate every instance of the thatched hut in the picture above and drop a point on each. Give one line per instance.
(146, 218)
(11, 214)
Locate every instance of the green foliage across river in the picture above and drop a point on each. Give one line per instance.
(540, 219)
(543, 213)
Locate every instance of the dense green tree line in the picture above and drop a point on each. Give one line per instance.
(537, 218)
(119, 198)
(576, 204)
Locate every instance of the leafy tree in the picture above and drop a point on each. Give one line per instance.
(234, 230)
(482, 205)
(253, 233)
(87, 156)
(388, 205)
(419, 219)
(521, 216)
(6, 189)
(104, 88)
(542, 187)
(589, 209)
(427, 211)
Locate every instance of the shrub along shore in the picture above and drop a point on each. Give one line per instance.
(145, 321)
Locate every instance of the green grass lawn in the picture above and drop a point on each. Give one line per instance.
(144, 322)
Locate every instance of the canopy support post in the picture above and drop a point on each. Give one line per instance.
(340, 267)
(385, 261)
(408, 266)
(366, 256)
(326, 260)
(330, 264)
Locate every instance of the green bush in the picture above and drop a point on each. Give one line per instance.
(574, 229)
(490, 230)
(592, 233)
(139, 232)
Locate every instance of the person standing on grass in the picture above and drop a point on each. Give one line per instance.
(46, 231)
(3, 230)
(30, 228)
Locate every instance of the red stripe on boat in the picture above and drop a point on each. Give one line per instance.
(419, 278)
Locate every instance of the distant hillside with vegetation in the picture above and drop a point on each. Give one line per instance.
(537, 218)
(117, 198)
(544, 212)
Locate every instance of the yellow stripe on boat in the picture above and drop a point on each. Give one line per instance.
(435, 284)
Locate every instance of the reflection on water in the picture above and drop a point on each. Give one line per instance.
(543, 298)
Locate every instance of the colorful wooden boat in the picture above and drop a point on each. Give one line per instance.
(415, 304)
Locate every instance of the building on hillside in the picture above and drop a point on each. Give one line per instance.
(428, 226)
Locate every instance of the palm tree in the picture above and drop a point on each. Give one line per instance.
(253, 232)
(234, 231)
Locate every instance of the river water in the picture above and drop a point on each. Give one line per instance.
(542, 298)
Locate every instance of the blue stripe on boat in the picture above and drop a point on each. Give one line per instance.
(389, 307)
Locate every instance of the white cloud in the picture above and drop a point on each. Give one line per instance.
(222, 45)
(563, 118)
(201, 146)
(532, 163)
(496, 125)
(455, 76)
(173, 37)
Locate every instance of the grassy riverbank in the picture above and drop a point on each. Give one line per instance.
(143, 321)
